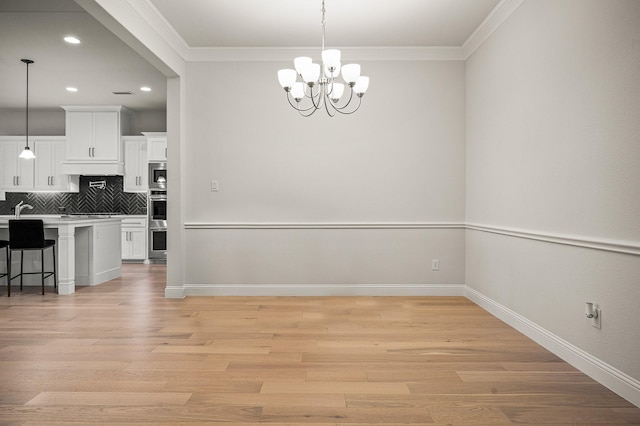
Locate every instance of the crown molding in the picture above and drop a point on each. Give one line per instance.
(492, 22)
(221, 54)
(160, 25)
(158, 22)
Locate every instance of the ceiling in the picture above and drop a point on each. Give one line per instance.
(102, 63)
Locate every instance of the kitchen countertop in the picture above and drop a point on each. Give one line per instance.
(58, 219)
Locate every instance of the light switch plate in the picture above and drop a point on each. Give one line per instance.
(214, 186)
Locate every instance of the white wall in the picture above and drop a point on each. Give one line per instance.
(398, 160)
(553, 151)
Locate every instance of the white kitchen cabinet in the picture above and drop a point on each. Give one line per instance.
(16, 174)
(135, 164)
(94, 139)
(50, 154)
(156, 146)
(134, 238)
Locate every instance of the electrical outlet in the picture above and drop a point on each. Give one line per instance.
(435, 264)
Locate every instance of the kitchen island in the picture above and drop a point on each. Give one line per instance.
(88, 249)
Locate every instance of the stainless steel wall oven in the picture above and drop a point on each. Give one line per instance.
(157, 210)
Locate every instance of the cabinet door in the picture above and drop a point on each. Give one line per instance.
(59, 180)
(79, 135)
(9, 164)
(135, 166)
(49, 158)
(45, 152)
(138, 243)
(134, 245)
(126, 245)
(106, 136)
(17, 173)
(157, 149)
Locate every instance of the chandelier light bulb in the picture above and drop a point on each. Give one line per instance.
(287, 77)
(350, 73)
(301, 62)
(331, 58)
(297, 91)
(311, 73)
(361, 86)
(336, 92)
(319, 87)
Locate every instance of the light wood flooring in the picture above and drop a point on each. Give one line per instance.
(122, 353)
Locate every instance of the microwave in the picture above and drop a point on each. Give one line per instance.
(158, 175)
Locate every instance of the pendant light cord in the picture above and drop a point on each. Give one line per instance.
(27, 62)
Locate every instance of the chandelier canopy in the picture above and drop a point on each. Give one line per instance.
(320, 86)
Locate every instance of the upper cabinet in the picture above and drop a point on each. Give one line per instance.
(16, 174)
(135, 164)
(50, 154)
(156, 146)
(40, 174)
(94, 139)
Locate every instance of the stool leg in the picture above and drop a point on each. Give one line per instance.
(21, 267)
(42, 269)
(8, 272)
(55, 275)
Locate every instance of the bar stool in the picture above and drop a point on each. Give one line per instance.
(4, 244)
(27, 235)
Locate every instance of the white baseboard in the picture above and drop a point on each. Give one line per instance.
(614, 379)
(315, 290)
(174, 292)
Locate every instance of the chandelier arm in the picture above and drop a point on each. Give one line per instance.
(304, 114)
(318, 95)
(296, 107)
(348, 102)
(350, 112)
(327, 101)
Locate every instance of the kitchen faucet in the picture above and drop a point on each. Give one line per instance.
(20, 206)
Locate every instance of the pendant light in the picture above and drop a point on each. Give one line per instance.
(27, 154)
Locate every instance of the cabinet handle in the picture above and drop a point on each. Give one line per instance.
(53, 180)
(165, 153)
(18, 180)
(49, 180)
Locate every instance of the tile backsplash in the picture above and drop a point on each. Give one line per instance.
(110, 199)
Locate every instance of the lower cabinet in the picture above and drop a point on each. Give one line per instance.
(134, 238)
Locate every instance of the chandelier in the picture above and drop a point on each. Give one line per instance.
(320, 87)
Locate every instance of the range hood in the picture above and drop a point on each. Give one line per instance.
(94, 168)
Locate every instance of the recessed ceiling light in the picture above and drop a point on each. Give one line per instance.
(72, 40)
(72, 89)
(145, 89)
